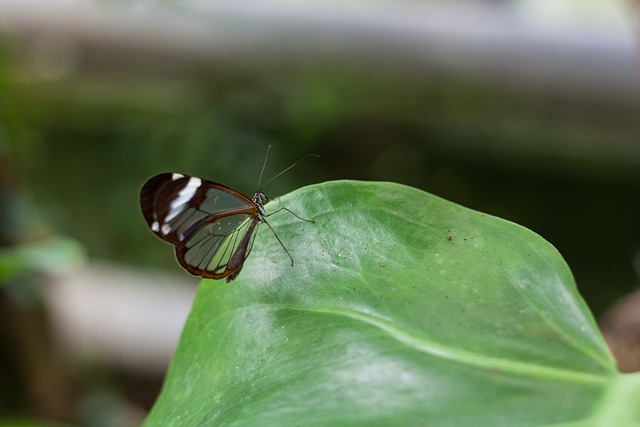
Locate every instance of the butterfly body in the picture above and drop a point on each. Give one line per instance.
(211, 226)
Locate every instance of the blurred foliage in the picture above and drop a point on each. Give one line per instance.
(53, 256)
(95, 136)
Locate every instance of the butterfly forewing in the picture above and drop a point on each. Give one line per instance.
(210, 225)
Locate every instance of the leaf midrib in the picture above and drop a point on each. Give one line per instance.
(455, 355)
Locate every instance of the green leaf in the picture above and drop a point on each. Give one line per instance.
(53, 255)
(401, 309)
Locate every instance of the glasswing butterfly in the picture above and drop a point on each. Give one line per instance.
(211, 226)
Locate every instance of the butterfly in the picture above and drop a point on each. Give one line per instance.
(211, 226)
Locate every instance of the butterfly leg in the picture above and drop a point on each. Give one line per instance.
(280, 241)
(292, 213)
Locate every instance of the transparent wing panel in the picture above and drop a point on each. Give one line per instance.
(217, 201)
(212, 246)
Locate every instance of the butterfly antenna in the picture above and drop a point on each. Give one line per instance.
(264, 165)
(263, 185)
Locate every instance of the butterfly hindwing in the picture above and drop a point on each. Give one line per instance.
(216, 249)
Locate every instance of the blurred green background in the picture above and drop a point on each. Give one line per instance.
(525, 110)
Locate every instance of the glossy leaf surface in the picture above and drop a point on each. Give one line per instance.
(401, 309)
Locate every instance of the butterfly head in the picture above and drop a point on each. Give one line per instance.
(260, 199)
